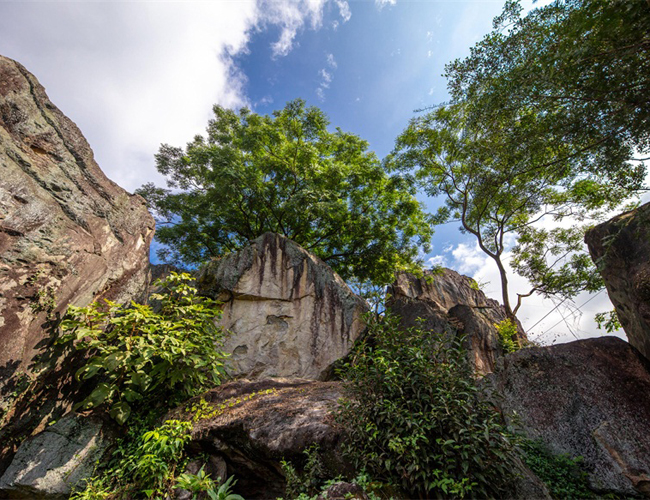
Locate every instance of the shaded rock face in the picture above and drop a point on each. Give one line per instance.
(256, 424)
(586, 398)
(50, 464)
(620, 248)
(449, 302)
(68, 234)
(290, 315)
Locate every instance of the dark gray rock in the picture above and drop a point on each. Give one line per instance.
(620, 248)
(290, 315)
(587, 398)
(256, 424)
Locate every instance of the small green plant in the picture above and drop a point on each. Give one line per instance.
(507, 331)
(608, 321)
(202, 410)
(414, 417)
(203, 487)
(140, 355)
(563, 475)
(311, 479)
(144, 463)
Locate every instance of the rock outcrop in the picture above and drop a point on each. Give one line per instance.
(620, 248)
(51, 463)
(248, 427)
(290, 315)
(449, 302)
(587, 398)
(67, 233)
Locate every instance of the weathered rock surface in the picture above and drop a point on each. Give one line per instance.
(67, 233)
(290, 314)
(252, 426)
(48, 465)
(586, 398)
(449, 302)
(620, 248)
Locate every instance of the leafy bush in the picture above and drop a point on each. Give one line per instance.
(507, 331)
(147, 464)
(562, 474)
(139, 353)
(414, 417)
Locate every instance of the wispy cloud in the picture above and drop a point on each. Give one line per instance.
(383, 3)
(326, 76)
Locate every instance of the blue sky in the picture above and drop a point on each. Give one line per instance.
(135, 74)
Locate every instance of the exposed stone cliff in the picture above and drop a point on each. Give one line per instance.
(67, 233)
(449, 302)
(620, 248)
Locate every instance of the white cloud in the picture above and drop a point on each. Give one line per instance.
(383, 3)
(326, 77)
(344, 10)
(435, 261)
(135, 74)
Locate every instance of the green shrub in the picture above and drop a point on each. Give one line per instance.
(507, 331)
(414, 417)
(562, 474)
(139, 354)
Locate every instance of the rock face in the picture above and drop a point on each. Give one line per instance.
(247, 428)
(620, 248)
(586, 398)
(290, 315)
(51, 463)
(67, 233)
(449, 302)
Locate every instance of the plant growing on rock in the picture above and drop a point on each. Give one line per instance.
(415, 419)
(139, 354)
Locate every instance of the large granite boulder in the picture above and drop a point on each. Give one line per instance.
(443, 300)
(587, 398)
(620, 248)
(290, 315)
(248, 427)
(68, 234)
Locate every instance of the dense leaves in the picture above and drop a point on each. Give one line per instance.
(414, 417)
(139, 353)
(581, 67)
(546, 115)
(287, 174)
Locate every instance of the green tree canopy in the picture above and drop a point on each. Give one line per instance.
(582, 67)
(288, 174)
(546, 115)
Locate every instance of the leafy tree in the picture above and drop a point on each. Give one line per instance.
(581, 66)
(545, 117)
(139, 354)
(415, 419)
(287, 174)
(499, 194)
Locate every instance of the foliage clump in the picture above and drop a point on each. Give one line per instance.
(287, 174)
(147, 464)
(563, 475)
(507, 332)
(415, 419)
(141, 354)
